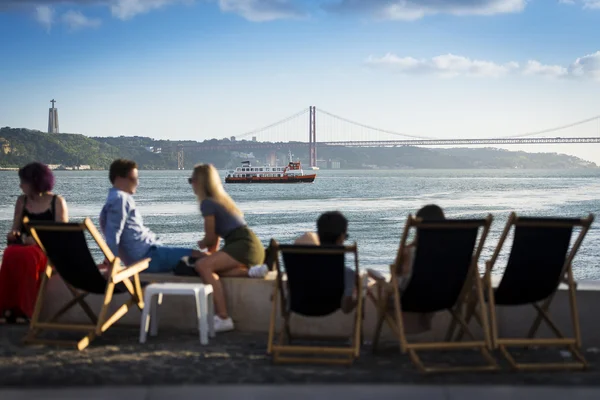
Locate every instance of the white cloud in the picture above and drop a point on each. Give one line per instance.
(252, 10)
(409, 10)
(127, 9)
(45, 16)
(586, 4)
(122, 9)
(591, 4)
(75, 20)
(586, 67)
(450, 65)
(268, 10)
(261, 10)
(536, 68)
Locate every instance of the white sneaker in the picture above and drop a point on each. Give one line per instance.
(258, 271)
(223, 325)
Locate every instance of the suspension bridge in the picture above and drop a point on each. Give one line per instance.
(335, 130)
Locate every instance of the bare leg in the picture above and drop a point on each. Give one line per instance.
(198, 254)
(239, 272)
(208, 268)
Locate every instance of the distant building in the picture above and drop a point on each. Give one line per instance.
(53, 118)
(152, 149)
(54, 166)
(333, 164)
(5, 146)
(232, 139)
(82, 167)
(254, 138)
(243, 155)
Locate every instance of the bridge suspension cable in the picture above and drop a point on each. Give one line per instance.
(372, 127)
(557, 128)
(547, 130)
(264, 128)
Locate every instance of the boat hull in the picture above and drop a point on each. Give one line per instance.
(283, 179)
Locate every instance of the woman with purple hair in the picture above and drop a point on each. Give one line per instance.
(24, 262)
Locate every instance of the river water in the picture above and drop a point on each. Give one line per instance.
(376, 203)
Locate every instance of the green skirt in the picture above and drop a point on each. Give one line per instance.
(244, 246)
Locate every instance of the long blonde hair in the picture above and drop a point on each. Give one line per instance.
(210, 186)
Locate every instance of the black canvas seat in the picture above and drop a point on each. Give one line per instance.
(540, 260)
(443, 271)
(314, 288)
(69, 256)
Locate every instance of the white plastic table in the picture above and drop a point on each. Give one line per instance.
(153, 295)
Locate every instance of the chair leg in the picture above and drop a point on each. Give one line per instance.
(156, 302)
(211, 315)
(145, 320)
(201, 313)
(144, 325)
(378, 327)
(274, 300)
(470, 312)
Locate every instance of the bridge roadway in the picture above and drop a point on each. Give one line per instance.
(244, 145)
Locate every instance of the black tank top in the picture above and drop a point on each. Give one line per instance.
(47, 215)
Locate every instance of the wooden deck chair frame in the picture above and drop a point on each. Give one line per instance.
(572, 343)
(389, 290)
(101, 322)
(282, 350)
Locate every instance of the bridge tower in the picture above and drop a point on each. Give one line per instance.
(180, 158)
(312, 136)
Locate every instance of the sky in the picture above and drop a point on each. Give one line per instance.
(199, 69)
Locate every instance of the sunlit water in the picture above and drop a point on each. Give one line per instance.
(376, 204)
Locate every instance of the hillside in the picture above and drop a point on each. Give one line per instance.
(20, 146)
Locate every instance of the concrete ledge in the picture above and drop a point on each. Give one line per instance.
(249, 303)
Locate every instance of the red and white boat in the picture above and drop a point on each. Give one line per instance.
(292, 173)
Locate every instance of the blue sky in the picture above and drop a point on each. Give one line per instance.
(185, 69)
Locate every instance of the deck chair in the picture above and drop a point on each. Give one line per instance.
(443, 273)
(315, 287)
(68, 254)
(539, 261)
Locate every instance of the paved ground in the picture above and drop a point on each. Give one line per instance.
(176, 358)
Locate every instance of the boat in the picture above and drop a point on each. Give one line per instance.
(292, 173)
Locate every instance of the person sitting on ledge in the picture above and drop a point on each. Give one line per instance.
(416, 322)
(24, 263)
(243, 253)
(430, 212)
(123, 227)
(332, 229)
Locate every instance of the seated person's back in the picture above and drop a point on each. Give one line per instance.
(332, 229)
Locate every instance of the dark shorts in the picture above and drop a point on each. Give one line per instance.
(244, 246)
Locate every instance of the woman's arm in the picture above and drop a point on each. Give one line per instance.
(62, 212)
(211, 239)
(16, 226)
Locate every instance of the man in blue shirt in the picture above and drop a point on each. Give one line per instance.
(123, 227)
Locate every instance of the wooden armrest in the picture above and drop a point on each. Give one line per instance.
(131, 270)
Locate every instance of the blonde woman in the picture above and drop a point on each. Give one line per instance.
(222, 219)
